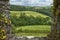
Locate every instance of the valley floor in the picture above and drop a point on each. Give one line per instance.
(34, 30)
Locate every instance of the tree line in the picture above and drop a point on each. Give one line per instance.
(23, 20)
(47, 10)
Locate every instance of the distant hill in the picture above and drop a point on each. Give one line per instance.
(28, 13)
(47, 10)
(20, 18)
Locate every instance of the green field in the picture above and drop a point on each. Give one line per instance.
(28, 13)
(31, 30)
(34, 30)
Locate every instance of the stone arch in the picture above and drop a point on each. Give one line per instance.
(6, 24)
(55, 31)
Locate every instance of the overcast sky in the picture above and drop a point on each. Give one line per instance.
(32, 2)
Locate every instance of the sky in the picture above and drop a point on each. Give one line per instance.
(32, 2)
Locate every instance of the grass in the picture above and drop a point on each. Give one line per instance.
(32, 34)
(34, 30)
(34, 27)
(28, 13)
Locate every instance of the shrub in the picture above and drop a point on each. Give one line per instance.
(29, 20)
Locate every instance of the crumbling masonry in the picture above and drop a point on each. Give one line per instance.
(5, 23)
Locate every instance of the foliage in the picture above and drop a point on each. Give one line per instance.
(4, 22)
(24, 19)
(47, 10)
(2, 25)
(33, 30)
(28, 13)
(2, 34)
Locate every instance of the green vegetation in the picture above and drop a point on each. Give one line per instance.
(20, 18)
(32, 34)
(4, 21)
(28, 13)
(34, 30)
(47, 10)
(31, 21)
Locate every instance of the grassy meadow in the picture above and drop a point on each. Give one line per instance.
(33, 30)
(30, 30)
(28, 13)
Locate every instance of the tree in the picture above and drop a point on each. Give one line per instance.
(5, 23)
(55, 31)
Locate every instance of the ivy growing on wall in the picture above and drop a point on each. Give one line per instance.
(3, 23)
(2, 26)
